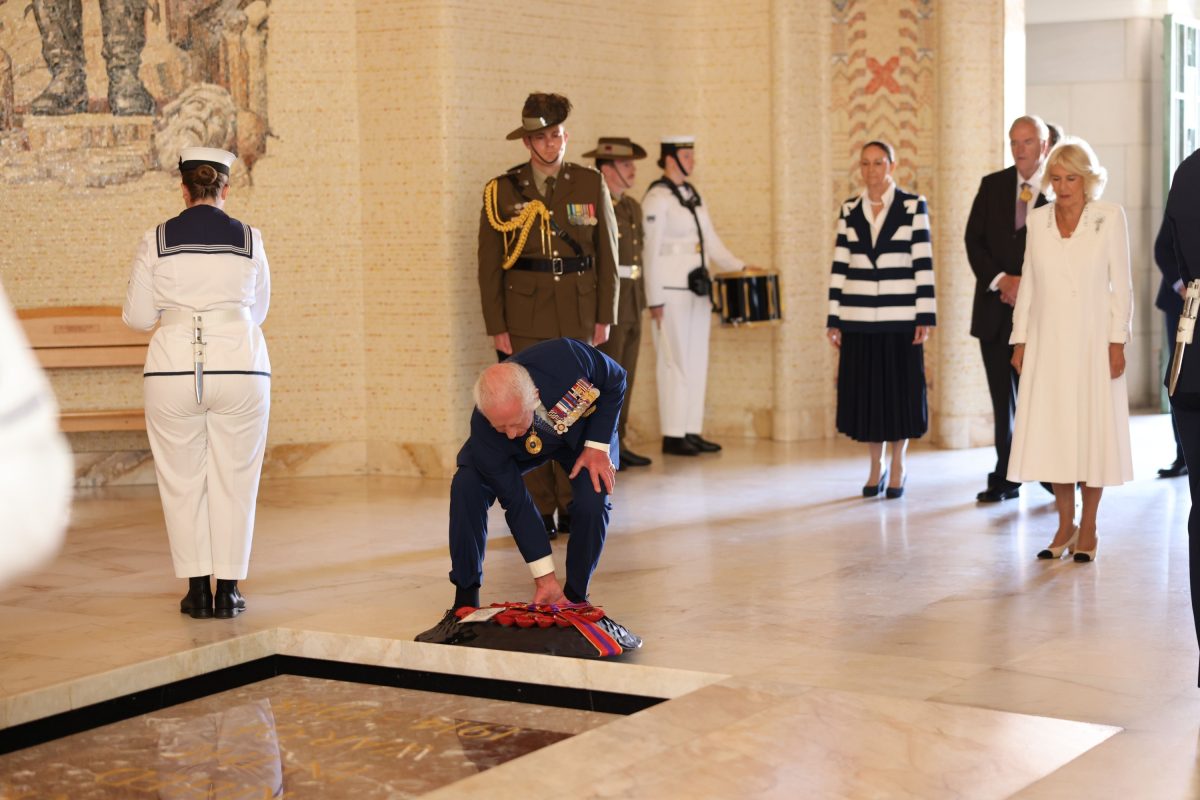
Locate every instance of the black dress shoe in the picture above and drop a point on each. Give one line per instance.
(632, 459)
(994, 494)
(677, 446)
(564, 522)
(873, 489)
(702, 444)
(1175, 470)
(894, 492)
(228, 601)
(198, 602)
(548, 521)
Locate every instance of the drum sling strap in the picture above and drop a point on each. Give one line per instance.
(699, 277)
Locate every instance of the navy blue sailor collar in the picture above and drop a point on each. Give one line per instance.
(204, 229)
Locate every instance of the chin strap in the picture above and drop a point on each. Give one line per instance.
(674, 157)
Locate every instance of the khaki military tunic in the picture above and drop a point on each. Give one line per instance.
(625, 338)
(540, 305)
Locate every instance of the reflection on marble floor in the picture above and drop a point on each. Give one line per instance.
(292, 737)
(833, 646)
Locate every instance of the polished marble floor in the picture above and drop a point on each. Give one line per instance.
(293, 737)
(813, 643)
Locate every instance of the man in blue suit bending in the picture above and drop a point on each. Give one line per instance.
(557, 400)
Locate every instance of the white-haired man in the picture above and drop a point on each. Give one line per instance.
(557, 400)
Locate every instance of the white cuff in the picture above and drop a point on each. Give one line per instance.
(994, 286)
(543, 566)
(596, 446)
(1177, 285)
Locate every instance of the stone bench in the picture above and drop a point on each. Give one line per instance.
(87, 336)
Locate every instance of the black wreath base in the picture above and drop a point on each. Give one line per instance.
(552, 641)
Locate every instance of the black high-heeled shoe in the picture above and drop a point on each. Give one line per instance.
(873, 491)
(897, 491)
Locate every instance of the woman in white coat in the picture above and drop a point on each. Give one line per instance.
(203, 278)
(1070, 325)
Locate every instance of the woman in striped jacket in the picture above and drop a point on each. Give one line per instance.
(881, 312)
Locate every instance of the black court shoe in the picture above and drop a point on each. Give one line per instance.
(228, 601)
(702, 444)
(548, 521)
(678, 446)
(632, 459)
(894, 492)
(198, 602)
(873, 490)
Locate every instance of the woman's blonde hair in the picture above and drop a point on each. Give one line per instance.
(1078, 158)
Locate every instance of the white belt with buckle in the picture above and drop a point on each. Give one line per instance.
(633, 271)
(678, 248)
(207, 318)
(198, 321)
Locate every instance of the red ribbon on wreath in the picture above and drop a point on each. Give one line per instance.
(582, 616)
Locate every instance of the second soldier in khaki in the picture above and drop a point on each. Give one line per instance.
(547, 260)
(615, 157)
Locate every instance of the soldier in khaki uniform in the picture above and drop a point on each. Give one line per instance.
(547, 260)
(615, 159)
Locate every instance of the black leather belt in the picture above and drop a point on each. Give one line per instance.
(556, 266)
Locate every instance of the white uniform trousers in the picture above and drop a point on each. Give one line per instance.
(681, 345)
(208, 459)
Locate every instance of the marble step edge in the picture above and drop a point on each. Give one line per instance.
(594, 675)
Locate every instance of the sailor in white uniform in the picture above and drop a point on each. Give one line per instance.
(36, 469)
(680, 243)
(203, 278)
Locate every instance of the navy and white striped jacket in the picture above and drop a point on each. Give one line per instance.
(886, 286)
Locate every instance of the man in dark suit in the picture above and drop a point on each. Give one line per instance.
(995, 240)
(1170, 302)
(1180, 235)
(557, 400)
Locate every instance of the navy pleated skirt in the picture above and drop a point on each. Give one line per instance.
(881, 387)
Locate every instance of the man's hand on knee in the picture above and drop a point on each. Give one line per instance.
(548, 591)
(600, 467)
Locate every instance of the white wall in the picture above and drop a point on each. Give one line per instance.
(1101, 80)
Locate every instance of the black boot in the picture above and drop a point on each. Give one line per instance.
(564, 522)
(124, 28)
(702, 444)
(61, 24)
(678, 446)
(228, 602)
(198, 602)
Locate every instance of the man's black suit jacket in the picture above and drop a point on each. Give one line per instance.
(1180, 236)
(994, 246)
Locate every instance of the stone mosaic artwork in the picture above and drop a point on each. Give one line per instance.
(291, 737)
(99, 92)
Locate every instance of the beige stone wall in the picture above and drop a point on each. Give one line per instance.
(388, 118)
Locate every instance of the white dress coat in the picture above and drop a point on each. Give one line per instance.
(36, 468)
(207, 456)
(671, 251)
(1076, 296)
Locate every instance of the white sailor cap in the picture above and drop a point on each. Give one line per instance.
(679, 141)
(193, 157)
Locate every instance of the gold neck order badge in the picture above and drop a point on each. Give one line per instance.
(1026, 195)
(533, 443)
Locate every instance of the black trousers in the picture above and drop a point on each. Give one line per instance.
(1186, 410)
(1002, 386)
(1172, 327)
